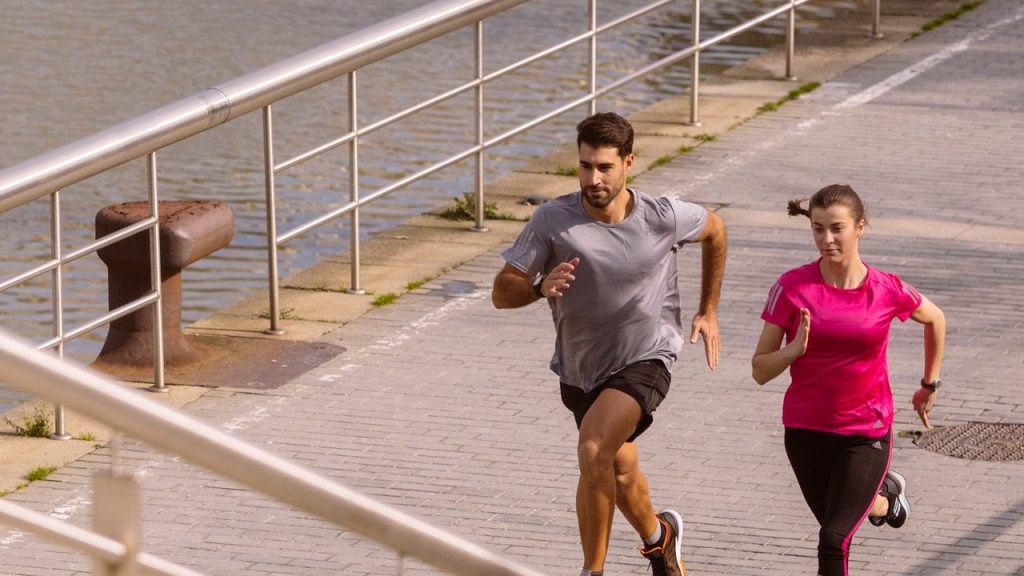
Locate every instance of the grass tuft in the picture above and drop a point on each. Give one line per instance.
(385, 299)
(573, 171)
(789, 97)
(947, 17)
(414, 284)
(465, 209)
(40, 473)
(35, 425)
(705, 137)
(661, 161)
(286, 314)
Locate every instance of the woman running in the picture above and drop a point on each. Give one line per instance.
(835, 314)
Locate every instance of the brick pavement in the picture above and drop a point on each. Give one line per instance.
(443, 406)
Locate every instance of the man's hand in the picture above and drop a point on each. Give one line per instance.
(707, 326)
(559, 279)
(923, 401)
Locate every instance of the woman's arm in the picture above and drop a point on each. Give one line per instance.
(771, 358)
(934, 321)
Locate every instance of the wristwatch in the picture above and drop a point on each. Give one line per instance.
(933, 386)
(537, 286)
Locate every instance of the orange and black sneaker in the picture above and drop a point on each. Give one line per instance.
(665, 556)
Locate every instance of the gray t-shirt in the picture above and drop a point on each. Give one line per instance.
(624, 304)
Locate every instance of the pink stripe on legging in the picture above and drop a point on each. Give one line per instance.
(846, 542)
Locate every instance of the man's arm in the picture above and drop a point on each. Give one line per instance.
(713, 251)
(513, 288)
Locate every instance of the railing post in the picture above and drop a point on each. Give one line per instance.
(353, 181)
(154, 269)
(695, 65)
(478, 226)
(876, 17)
(790, 40)
(593, 56)
(268, 176)
(57, 281)
(116, 516)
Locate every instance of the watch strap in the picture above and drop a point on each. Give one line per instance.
(537, 284)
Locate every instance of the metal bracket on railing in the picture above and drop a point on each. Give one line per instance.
(116, 516)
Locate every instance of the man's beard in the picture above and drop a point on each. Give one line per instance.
(601, 202)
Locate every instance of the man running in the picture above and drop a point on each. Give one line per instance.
(606, 263)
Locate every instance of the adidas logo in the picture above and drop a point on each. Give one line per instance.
(877, 445)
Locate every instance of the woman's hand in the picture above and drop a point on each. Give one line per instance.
(923, 401)
(771, 358)
(803, 333)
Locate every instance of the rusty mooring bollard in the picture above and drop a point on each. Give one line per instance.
(189, 230)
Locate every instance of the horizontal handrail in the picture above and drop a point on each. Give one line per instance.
(53, 263)
(466, 87)
(369, 198)
(132, 412)
(43, 268)
(120, 312)
(109, 239)
(565, 108)
(189, 116)
(370, 128)
(137, 304)
(95, 545)
(749, 24)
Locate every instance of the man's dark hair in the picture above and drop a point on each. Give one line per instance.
(606, 130)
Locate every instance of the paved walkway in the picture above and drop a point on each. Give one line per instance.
(443, 406)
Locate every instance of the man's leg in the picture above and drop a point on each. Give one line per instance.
(632, 493)
(609, 422)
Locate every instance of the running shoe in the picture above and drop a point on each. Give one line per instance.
(665, 556)
(895, 487)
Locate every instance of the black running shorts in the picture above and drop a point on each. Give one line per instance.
(646, 382)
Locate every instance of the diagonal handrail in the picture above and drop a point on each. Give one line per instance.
(140, 416)
(99, 547)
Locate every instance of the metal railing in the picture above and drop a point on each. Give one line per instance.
(154, 422)
(143, 136)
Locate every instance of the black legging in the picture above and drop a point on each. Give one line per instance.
(839, 476)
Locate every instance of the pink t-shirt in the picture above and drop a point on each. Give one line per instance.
(841, 383)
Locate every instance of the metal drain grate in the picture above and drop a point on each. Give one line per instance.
(976, 441)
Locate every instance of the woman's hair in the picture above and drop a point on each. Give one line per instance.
(830, 196)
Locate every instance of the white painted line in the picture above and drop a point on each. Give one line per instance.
(925, 65)
(734, 161)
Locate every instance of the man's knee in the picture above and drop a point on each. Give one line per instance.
(595, 456)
